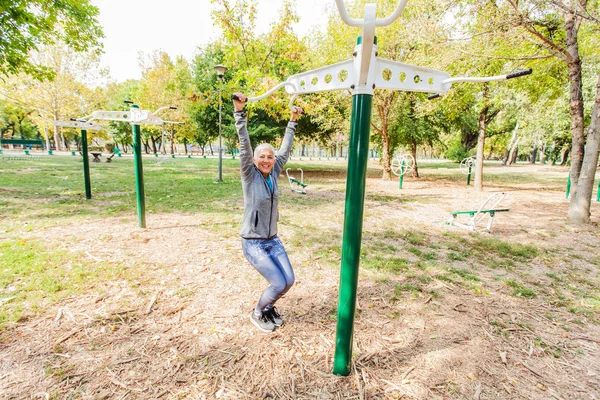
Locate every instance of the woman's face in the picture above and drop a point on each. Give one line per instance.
(265, 161)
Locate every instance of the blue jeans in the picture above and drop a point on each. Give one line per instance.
(270, 259)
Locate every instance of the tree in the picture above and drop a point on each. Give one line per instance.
(413, 126)
(16, 121)
(29, 25)
(398, 42)
(556, 28)
(579, 209)
(117, 93)
(256, 62)
(65, 96)
(164, 83)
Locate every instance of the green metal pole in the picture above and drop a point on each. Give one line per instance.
(568, 187)
(598, 192)
(139, 173)
(86, 165)
(401, 173)
(220, 136)
(469, 175)
(353, 220)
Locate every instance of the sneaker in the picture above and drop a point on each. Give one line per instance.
(263, 322)
(274, 316)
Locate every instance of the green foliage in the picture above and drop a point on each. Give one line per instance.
(16, 122)
(457, 152)
(27, 25)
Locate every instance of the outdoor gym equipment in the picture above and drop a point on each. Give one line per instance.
(22, 142)
(296, 185)
(402, 165)
(83, 126)
(136, 117)
(362, 75)
(485, 211)
(465, 167)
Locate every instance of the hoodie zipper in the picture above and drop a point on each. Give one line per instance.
(271, 213)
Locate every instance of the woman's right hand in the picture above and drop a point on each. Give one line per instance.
(238, 105)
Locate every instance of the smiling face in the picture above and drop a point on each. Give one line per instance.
(264, 161)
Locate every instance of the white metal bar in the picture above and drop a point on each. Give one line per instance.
(360, 22)
(268, 93)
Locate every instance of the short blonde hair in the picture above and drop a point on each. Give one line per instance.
(262, 147)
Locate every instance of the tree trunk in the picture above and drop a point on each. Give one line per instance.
(489, 157)
(153, 144)
(543, 154)
(481, 126)
(579, 207)
(173, 140)
(386, 158)
(47, 137)
(56, 138)
(564, 157)
(413, 152)
(514, 154)
(383, 109)
(468, 139)
(576, 101)
(533, 154)
(513, 142)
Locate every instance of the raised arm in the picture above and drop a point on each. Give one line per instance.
(286, 144)
(241, 123)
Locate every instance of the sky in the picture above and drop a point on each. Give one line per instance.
(177, 27)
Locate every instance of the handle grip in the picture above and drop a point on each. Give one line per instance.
(519, 73)
(234, 97)
(433, 96)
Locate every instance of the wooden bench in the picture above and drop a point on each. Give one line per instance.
(96, 157)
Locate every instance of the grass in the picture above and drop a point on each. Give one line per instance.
(516, 251)
(32, 277)
(519, 290)
(48, 191)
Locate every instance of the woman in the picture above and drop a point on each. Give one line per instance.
(263, 249)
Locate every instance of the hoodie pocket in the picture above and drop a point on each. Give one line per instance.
(255, 219)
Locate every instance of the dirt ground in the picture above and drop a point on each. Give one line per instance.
(182, 330)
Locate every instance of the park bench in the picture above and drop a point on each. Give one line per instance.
(96, 157)
(485, 211)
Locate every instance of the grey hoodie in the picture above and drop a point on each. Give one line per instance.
(260, 204)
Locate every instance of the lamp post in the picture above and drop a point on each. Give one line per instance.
(220, 74)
